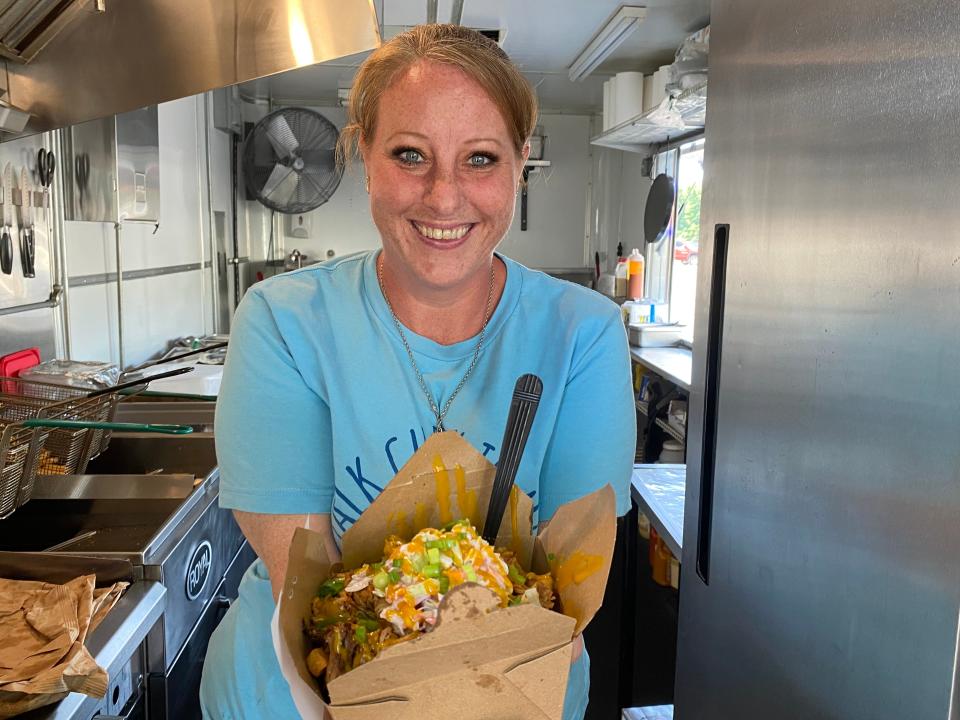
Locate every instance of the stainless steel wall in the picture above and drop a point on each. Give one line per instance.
(833, 149)
(39, 327)
(35, 328)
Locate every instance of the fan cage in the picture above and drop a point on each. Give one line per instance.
(317, 178)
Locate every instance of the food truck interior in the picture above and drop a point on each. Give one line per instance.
(767, 190)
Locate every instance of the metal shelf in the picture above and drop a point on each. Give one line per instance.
(672, 430)
(659, 489)
(672, 364)
(531, 167)
(676, 433)
(660, 712)
(672, 120)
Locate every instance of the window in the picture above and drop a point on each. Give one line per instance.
(673, 261)
(686, 243)
(658, 260)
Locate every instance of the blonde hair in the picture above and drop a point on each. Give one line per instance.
(476, 55)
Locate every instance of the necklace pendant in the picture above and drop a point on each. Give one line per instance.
(438, 413)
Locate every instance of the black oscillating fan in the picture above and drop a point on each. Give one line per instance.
(289, 160)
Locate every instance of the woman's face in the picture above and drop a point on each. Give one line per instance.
(443, 175)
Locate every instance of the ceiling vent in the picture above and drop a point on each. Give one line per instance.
(26, 28)
(391, 31)
(495, 35)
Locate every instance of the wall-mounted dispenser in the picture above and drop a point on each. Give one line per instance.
(300, 226)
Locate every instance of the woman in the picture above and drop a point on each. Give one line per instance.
(337, 372)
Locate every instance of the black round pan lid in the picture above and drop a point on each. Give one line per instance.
(656, 217)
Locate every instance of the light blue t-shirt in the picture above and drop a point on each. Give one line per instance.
(320, 406)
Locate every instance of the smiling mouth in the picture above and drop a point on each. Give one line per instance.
(448, 233)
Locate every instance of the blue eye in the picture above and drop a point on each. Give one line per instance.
(408, 156)
(481, 160)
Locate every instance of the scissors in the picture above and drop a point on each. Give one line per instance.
(46, 164)
(83, 173)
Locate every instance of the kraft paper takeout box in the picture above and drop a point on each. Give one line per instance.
(480, 661)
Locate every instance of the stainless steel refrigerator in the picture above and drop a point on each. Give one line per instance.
(821, 554)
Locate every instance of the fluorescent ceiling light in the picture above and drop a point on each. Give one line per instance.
(623, 22)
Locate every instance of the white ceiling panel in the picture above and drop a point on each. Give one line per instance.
(542, 36)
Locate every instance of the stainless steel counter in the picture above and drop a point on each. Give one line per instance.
(659, 491)
(112, 645)
(149, 502)
(673, 363)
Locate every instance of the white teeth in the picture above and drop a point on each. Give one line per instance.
(441, 234)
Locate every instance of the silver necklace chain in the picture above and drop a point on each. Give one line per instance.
(438, 413)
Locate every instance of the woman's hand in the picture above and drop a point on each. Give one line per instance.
(270, 536)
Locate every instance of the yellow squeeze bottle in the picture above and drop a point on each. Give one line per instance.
(635, 279)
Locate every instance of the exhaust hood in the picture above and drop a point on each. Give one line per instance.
(118, 55)
(27, 27)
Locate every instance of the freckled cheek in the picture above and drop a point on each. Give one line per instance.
(493, 199)
(395, 196)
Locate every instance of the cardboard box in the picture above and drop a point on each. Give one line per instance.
(480, 661)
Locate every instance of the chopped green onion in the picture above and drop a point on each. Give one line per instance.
(381, 580)
(551, 557)
(515, 600)
(418, 591)
(434, 555)
(418, 561)
(444, 584)
(453, 523)
(332, 587)
(470, 573)
(360, 633)
(517, 576)
(397, 564)
(394, 576)
(369, 624)
(328, 621)
(431, 571)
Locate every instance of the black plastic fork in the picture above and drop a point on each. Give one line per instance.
(523, 408)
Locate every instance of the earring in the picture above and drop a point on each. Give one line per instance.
(367, 184)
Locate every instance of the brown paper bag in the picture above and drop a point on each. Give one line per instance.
(44, 627)
(481, 661)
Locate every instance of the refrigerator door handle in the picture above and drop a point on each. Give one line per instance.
(708, 457)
